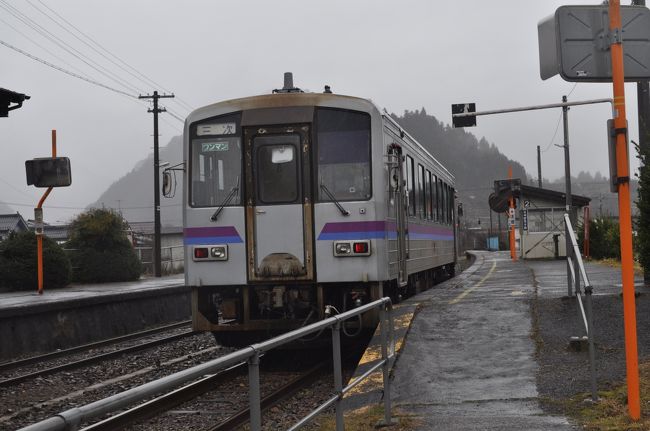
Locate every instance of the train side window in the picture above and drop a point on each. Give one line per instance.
(434, 197)
(410, 184)
(451, 205)
(439, 200)
(422, 207)
(427, 195)
(443, 200)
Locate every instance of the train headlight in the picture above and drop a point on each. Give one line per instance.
(219, 252)
(342, 249)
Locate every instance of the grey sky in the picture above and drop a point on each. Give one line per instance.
(402, 55)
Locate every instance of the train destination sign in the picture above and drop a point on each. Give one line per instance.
(216, 129)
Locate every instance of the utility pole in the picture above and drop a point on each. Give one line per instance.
(156, 178)
(539, 167)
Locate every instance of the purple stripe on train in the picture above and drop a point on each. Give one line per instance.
(381, 230)
(211, 235)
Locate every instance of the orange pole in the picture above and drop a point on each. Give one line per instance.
(511, 228)
(38, 212)
(624, 211)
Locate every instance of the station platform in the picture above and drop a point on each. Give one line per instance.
(487, 349)
(78, 314)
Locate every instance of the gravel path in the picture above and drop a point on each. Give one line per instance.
(563, 372)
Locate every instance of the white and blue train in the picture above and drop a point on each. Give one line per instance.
(296, 201)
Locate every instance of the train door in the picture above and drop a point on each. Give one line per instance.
(399, 203)
(278, 204)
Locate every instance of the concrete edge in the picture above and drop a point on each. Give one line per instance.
(100, 298)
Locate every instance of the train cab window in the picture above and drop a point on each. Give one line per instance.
(421, 193)
(343, 151)
(216, 170)
(215, 162)
(410, 185)
(276, 167)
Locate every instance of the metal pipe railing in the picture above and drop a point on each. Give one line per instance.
(587, 315)
(72, 418)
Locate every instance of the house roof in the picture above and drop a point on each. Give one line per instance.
(499, 202)
(12, 222)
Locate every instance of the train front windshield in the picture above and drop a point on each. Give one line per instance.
(216, 171)
(343, 139)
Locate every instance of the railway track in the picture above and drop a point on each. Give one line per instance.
(218, 385)
(8, 366)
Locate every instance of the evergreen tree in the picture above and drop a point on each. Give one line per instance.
(18, 263)
(643, 204)
(101, 251)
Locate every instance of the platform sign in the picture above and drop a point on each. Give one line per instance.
(48, 172)
(524, 219)
(575, 42)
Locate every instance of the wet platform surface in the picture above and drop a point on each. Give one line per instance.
(469, 359)
(75, 292)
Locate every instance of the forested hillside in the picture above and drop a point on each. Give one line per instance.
(475, 163)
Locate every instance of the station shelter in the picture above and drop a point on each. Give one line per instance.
(540, 221)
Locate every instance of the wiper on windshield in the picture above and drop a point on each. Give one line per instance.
(333, 199)
(226, 201)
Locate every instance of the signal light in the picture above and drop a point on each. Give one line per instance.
(361, 247)
(200, 253)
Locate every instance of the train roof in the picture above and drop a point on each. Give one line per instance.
(287, 99)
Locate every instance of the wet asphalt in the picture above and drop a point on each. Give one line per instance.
(470, 360)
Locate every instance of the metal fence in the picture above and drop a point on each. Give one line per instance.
(574, 259)
(72, 418)
(172, 258)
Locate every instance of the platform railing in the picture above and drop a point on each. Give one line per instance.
(574, 258)
(72, 418)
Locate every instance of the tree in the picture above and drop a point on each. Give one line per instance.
(18, 263)
(604, 238)
(100, 250)
(643, 204)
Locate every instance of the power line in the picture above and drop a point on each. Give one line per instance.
(60, 69)
(145, 79)
(64, 45)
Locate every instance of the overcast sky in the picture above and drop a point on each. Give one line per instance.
(401, 54)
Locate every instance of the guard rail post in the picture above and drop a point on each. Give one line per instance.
(338, 374)
(385, 325)
(254, 391)
(590, 333)
(568, 257)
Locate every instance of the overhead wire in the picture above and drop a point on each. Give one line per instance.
(61, 69)
(142, 77)
(557, 126)
(65, 46)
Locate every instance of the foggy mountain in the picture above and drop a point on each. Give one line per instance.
(474, 163)
(132, 194)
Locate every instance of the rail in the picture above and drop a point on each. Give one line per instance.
(72, 418)
(574, 258)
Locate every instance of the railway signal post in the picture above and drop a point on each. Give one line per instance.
(47, 172)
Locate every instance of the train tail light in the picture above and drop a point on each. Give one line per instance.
(200, 253)
(360, 247)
